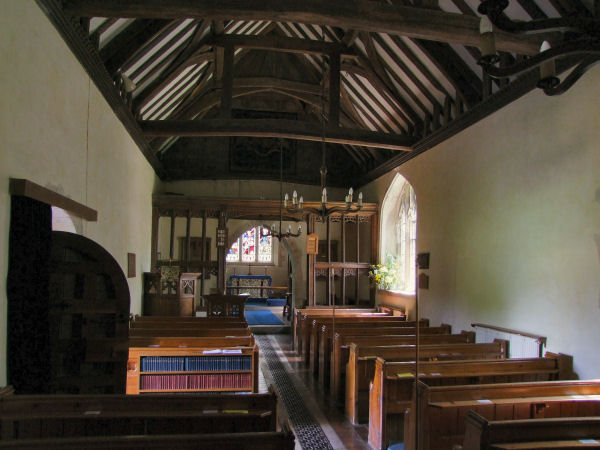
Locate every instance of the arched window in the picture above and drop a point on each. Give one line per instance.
(399, 233)
(406, 239)
(254, 246)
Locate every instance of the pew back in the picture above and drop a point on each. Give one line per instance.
(62, 416)
(442, 409)
(301, 316)
(189, 332)
(192, 341)
(391, 392)
(228, 441)
(341, 346)
(361, 366)
(562, 432)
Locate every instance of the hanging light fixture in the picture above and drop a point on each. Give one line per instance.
(581, 42)
(279, 233)
(297, 203)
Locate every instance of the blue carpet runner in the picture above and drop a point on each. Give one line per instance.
(261, 317)
(262, 301)
(308, 432)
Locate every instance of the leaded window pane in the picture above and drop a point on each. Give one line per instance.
(234, 252)
(249, 246)
(265, 248)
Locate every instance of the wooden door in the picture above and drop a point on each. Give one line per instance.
(88, 317)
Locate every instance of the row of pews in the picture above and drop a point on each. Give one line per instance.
(166, 416)
(366, 360)
(141, 421)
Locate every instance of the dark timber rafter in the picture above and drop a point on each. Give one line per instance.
(288, 129)
(360, 15)
(284, 44)
(119, 49)
(189, 55)
(386, 66)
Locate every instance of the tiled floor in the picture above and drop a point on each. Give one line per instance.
(339, 431)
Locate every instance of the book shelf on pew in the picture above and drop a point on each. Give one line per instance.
(177, 369)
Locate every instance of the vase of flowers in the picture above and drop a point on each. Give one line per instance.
(385, 274)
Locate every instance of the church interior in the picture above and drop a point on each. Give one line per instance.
(377, 219)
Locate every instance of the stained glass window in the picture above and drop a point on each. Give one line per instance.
(253, 246)
(234, 252)
(265, 248)
(249, 246)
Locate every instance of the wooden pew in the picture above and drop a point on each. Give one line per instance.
(326, 347)
(341, 351)
(300, 313)
(68, 416)
(442, 409)
(206, 325)
(273, 440)
(361, 366)
(187, 332)
(138, 318)
(305, 324)
(391, 391)
(191, 341)
(301, 316)
(199, 322)
(322, 329)
(558, 432)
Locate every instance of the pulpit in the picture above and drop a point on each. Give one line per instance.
(170, 293)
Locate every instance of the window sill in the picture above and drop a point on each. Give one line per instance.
(397, 293)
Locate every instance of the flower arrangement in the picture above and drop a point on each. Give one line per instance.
(385, 275)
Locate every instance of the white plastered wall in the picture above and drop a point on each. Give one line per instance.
(509, 210)
(56, 130)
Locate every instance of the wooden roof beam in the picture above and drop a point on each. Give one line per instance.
(277, 128)
(362, 15)
(283, 44)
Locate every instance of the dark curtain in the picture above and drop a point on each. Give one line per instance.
(28, 296)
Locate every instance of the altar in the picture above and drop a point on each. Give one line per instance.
(253, 285)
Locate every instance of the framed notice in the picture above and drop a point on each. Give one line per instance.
(312, 244)
(221, 237)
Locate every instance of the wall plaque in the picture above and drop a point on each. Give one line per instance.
(312, 244)
(130, 265)
(221, 237)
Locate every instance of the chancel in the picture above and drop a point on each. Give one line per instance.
(367, 224)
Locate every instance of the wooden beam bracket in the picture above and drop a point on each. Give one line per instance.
(29, 189)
